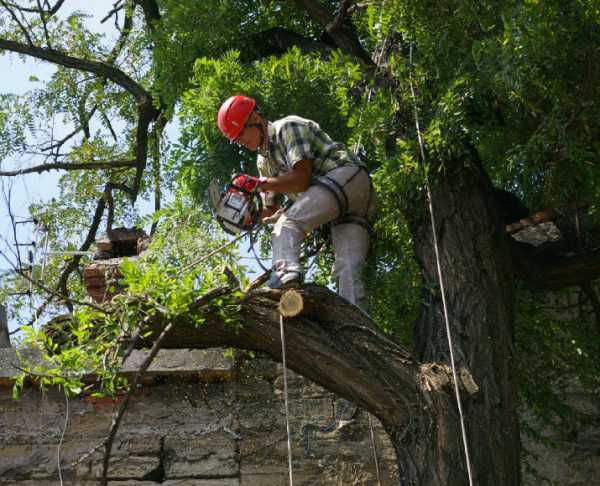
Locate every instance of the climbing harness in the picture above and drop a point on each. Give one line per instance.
(439, 270)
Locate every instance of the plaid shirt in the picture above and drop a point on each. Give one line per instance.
(292, 139)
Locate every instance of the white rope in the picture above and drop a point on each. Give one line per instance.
(374, 447)
(285, 396)
(62, 438)
(439, 272)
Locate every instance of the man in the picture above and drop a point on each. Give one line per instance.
(328, 184)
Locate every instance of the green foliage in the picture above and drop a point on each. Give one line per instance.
(293, 83)
(163, 284)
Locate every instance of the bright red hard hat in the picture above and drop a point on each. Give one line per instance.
(234, 114)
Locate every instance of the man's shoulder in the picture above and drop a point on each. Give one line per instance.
(292, 121)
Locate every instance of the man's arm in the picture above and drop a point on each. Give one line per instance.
(296, 180)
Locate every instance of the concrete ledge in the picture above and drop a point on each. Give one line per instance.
(203, 364)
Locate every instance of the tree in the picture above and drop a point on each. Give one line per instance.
(506, 97)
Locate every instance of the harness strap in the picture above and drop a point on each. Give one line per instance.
(351, 219)
(338, 193)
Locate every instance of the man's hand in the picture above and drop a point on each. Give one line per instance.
(273, 219)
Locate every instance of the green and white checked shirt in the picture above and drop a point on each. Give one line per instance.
(292, 139)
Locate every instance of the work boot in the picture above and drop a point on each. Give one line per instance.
(284, 279)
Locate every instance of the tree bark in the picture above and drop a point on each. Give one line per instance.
(476, 268)
(337, 346)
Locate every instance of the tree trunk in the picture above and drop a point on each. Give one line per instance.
(337, 346)
(476, 269)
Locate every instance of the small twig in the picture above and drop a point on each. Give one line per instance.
(46, 34)
(116, 7)
(256, 283)
(119, 414)
(43, 375)
(54, 293)
(200, 260)
(16, 19)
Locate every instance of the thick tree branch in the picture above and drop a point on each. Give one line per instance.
(553, 271)
(151, 12)
(38, 169)
(337, 23)
(89, 239)
(331, 342)
(99, 68)
(343, 35)
(147, 113)
(277, 41)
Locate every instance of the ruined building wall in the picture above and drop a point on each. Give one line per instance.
(198, 420)
(205, 420)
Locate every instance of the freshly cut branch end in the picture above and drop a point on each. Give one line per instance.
(291, 303)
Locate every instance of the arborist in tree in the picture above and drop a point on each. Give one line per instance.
(327, 182)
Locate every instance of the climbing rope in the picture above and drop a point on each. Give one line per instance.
(62, 438)
(285, 397)
(439, 269)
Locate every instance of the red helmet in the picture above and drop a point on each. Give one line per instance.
(233, 115)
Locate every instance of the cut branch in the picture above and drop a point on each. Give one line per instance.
(332, 343)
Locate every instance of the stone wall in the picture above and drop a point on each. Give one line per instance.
(202, 419)
(198, 420)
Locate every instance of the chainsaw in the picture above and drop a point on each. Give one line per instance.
(238, 205)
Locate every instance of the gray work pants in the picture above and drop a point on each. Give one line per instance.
(317, 206)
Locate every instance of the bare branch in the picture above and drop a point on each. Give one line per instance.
(132, 387)
(90, 238)
(68, 166)
(101, 69)
(48, 290)
(117, 6)
(50, 11)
